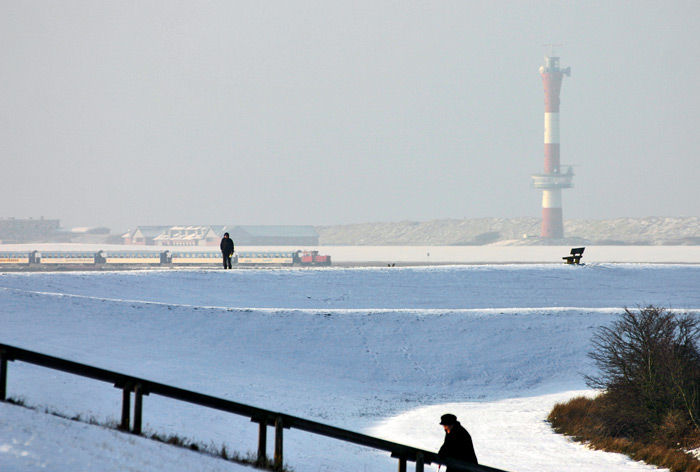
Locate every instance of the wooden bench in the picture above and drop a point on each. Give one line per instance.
(575, 257)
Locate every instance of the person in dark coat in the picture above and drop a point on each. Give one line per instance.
(226, 250)
(458, 442)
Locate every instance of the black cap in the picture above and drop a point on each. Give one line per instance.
(448, 420)
(225, 234)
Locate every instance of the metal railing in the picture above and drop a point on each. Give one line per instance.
(264, 418)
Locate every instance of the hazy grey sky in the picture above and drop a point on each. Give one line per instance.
(120, 113)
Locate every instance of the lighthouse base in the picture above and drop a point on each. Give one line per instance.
(552, 223)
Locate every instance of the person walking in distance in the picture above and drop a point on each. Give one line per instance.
(226, 250)
(458, 442)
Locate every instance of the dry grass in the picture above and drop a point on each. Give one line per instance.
(581, 419)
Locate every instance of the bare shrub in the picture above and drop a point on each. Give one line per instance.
(649, 370)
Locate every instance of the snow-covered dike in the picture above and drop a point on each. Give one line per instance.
(383, 351)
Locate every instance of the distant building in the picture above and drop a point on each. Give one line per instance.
(188, 236)
(13, 230)
(174, 236)
(274, 235)
(144, 235)
(211, 235)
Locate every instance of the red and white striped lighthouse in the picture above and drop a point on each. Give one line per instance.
(552, 180)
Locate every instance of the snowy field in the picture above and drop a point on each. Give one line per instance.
(501, 253)
(382, 351)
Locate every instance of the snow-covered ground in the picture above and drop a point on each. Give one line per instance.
(382, 351)
(497, 253)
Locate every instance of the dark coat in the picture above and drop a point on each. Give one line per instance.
(458, 445)
(226, 246)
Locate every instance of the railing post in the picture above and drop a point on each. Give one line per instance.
(126, 407)
(138, 408)
(420, 462)
(262, 443)
(3, 375)
(402, 464)
(279, 429)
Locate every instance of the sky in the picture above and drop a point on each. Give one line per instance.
(323, 112)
